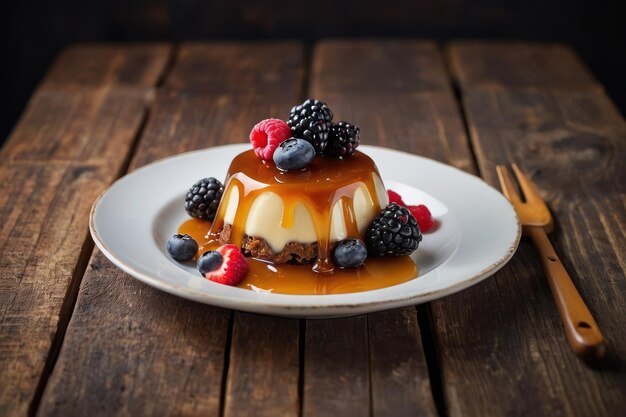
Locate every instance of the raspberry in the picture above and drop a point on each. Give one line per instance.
(420, 212)
(395, 198)
(267, 135)
(423, 216)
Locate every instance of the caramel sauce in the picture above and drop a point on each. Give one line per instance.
(325, 182)
(300, 279)
(319, 187)
(198, 230)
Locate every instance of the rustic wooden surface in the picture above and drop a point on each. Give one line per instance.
(196, 365)
(409, 107)
(129, 349)
(504, 337)
(69, 145)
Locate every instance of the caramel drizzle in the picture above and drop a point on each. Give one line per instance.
(319, 188)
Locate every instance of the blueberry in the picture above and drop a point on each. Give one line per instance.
(210, 261)
(294, 154)
(350, 253)
(182, 247)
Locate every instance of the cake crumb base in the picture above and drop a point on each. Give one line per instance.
(293, 252)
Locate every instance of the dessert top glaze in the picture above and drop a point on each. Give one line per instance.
(324, 184)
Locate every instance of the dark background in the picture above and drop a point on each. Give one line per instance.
(33, 32)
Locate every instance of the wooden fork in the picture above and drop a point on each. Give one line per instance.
(581, 329)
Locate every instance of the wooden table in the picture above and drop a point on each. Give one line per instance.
(78, 337)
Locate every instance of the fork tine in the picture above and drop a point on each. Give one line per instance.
(531, 194)
(508, 188)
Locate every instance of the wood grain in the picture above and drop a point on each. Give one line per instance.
(520, 65)
(336, 368)
(144, 356)
(420, 117)
(399, 375)
(264, 367)
(397, 93)
(183, 345)
(82, 104)
(130, 349)
(91, 125)
(97, 65)
(502, 348)
(378, 68)
(51, 171)
(235, 70)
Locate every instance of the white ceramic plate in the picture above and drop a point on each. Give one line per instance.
(478, 233)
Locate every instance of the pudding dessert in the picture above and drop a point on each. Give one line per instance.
(302, 212)
(297, 216)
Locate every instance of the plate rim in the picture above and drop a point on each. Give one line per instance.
(309, 311)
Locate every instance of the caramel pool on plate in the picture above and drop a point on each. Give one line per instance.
(301, 279)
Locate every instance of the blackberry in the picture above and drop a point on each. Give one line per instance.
(393, 232)
(203, 198)
(311, 121)
(343, 140)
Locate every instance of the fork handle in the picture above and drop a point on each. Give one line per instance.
(582, 331)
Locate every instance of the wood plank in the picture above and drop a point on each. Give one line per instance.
(336, 368)
(80, 102)
(507, 65)
(235, 70)
(49, 180)
(421, 117)
(143, 357)
(264, 367)
(189, 363)
(91, 126)
(392, 67)
(399, 375)
(501, 344)
(400, 98)
(98, 65)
